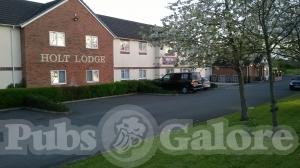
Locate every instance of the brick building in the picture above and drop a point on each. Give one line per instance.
(64, 43)
(258, 70)
(59, 43)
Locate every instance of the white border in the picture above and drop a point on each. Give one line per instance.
(51, 9)
(56, 39)
(92, 13)
(92, 72)
(91, 47)
(58, 84)
(42, 14)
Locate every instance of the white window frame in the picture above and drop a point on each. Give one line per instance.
(58, 77)
(170, 70)
(90, 45)
(141, 47)
(94, 81)
(56, 33)
(142, 74)
(121, 46)
(127, 70)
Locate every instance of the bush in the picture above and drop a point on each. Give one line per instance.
(150, 87)
(17, 85)
(42, 102)
(10, 98)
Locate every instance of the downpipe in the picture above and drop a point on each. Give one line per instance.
(12, 56)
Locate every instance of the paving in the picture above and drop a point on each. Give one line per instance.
(200, 106)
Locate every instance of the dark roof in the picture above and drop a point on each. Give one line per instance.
(125, 28)
(16, 12)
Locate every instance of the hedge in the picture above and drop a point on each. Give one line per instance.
(42, 102)
(10, 98)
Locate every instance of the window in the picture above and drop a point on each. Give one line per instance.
(57, 39)
(185, 70)
(91, 42)
(143, 48)
(58, 77)
(143, 74)
(166, 77)
(125, 47)
(125, 74)
(170, 70)
(185, 76)
(196, 75)
(92, 76)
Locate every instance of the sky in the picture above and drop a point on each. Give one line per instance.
(144, 11)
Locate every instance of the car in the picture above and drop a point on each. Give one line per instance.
(206, 84)
(295, 83)
(184, 82)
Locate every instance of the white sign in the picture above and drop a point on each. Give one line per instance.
(64, 58)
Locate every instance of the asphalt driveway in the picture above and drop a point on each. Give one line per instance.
(200, 106)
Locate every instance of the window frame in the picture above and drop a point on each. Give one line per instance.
(56, 32)
(124, 51)
(164, 78)
(143, 74)
(92, 70)
(141, 52)
(170, 70)
(86, 44)
(56, 84)
(124, 75)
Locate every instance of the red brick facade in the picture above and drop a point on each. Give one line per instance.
(251, 73)
(35, 41)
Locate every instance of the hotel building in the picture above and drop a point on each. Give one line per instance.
(64, 43)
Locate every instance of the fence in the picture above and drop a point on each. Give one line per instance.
(225, 78)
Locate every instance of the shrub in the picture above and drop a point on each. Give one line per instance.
(17, 85)
(10, 98)
(150, 87)
(42, 102)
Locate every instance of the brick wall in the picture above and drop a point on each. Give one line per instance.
(251, 73)
(35, 41)
(223, 71)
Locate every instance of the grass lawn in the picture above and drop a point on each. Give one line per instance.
(293, 72)
(289, 114)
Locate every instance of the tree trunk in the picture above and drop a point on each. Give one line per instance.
(244, 113)
(274, 107)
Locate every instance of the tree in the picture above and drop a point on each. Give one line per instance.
(290, 48)
(274, 21)
(204, 31)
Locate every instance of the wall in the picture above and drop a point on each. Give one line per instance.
(152, 62)
(134, 59)
(10, 46)
(35, 41)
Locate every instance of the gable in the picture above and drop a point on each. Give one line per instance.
(15, 12)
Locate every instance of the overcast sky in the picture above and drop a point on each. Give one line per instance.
(145, 11)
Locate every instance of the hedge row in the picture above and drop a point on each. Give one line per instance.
(10, 98)
(42, 102)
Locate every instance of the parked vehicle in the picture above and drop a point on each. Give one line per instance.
(295, 83)
(206, 83)
(184, 82)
